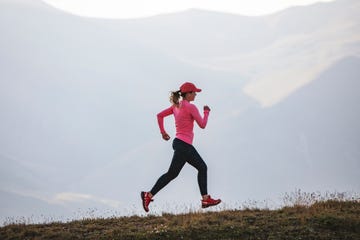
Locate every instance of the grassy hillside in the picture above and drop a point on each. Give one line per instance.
(324, 220)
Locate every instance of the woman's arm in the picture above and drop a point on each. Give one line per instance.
(201, 121)
(160, 118)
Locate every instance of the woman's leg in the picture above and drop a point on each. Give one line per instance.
(200, 165)
(177, 163)
(197, 162)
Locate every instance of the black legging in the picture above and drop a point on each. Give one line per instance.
(183, 152)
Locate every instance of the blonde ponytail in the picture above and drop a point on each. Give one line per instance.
(175, 97)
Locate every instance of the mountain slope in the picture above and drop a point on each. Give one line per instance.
(311, 140)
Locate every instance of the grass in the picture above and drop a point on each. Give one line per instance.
(327, 219)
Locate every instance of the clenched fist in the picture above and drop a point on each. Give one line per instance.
(165, 136)
(206, 108)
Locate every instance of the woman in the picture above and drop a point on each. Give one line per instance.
(185, 114)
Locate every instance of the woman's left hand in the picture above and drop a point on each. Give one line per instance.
(206, 108)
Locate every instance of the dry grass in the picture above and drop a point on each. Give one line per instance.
(338, 218)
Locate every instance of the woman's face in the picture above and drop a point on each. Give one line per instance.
(190, 96)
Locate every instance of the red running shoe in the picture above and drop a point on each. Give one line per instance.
(210, 202)
(146, 199)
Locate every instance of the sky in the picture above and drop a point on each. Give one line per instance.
(144, 8)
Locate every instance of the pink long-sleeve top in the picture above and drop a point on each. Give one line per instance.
(185, 115)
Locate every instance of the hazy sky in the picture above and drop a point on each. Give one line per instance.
(144, 8)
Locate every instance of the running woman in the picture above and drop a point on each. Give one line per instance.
(185, 114)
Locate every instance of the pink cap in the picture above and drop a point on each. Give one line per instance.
(189, 87)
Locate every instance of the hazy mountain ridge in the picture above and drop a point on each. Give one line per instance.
(78, 98)
(304, 128)
(267, 50)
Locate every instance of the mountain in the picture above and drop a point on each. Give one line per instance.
(78, 99)
(289, 144)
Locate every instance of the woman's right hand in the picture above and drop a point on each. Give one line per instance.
(206, 108)
(165, 136)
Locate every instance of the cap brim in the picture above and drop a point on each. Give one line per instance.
(198, 90)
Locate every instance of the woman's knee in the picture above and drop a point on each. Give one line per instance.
(172, 174)
(202, 167)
